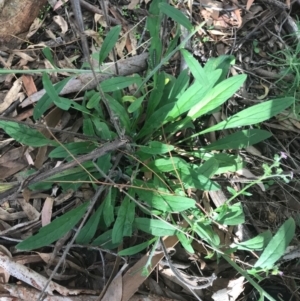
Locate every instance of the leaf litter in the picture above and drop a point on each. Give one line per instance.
(267, 208)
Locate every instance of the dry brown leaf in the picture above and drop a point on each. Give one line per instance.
(58, 4)
(249, 4)
(35, 26)
(24, 56)
(134, 42)
(6, 216)
(11, 167)
(101, 20)
(50, 34)
(133, 278)
(28, 156)
(47, 211)
(12, 95)
(4, 278)
(24, 293)
(29, 210)
(238, 15)
(94, 35)
(235, 288)
(266, 91)
(32, 278)
(61, 22)
(66, 63)
(168, 274)
(128, 44)
(253, 151)
(63, 197)
(120, 45)
(217, 32)
(133, 3)
(48, 259)
(29, 85)
(115, 289)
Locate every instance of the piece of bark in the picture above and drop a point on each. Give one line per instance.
(16, 17)
(86, 81)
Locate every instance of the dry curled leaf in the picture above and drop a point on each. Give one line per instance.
(60, 21)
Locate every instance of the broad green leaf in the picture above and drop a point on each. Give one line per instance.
(208, 168)
(109, 43)
(88, 231)
(78, 106)
(227, 163)
(156, 148)
(25, 134)
(104, 240)
(137, 248)
(217, 96)
(93, 101)
(88, 128)
(51, 91)
(239, 140)
(65, 104)
(136, 104)
(167, 57)
(153, 25)
(180, 85)
(230, 215)
(198, 181)
(176, 15)
(192, 96)
(174, 128)
(123, 223)
(118, 83)
(253, 115)
(155, 121)
(222, 62)
(45, 101)
(55, 230)
(206, 232)
(186, 242)
(156, 94)
(104, 163)
(154, 226)
(62, 103)
(120, 112)
(108, 209)
(101, 128)
(195, 68)
(165, 202)
(257, 243)
(75, 148)
(189, 177)
(168, 164)
(277, 245)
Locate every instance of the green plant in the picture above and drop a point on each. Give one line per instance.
(288, 62)
(255, 46)
(124, 11)
(161, 107)
(100, 31)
